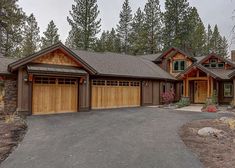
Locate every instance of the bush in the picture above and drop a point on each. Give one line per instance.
(168, 96)
(211, 109)
(183, 102)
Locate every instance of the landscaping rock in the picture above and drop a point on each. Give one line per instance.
(224, 119)
(229, 121)
(209, 131)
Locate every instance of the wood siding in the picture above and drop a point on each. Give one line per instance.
(84, 95)
(23, 91)
(150, 93)
(57, 58)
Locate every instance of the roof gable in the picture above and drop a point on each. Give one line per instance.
(68, 57)
(172, 52)
(57, 57)
(213, 55)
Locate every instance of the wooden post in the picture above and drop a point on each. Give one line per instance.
(184, 85)
(212, 86)
(208, 86)
(233, 91)
(187, 87)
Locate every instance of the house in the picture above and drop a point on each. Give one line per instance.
(60, 80)
(200, 78)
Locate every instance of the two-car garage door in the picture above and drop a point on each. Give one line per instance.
(115, 94)
(54, 95)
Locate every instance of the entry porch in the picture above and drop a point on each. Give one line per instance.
(200, 85)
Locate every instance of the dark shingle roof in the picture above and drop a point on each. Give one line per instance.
(4, 62)
(151, 57)
(222, 73)
(113, 64)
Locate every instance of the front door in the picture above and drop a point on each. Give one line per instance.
(200, 94)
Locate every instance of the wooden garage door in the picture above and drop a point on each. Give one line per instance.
(54, 95)
(115, 94)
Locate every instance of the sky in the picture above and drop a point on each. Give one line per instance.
(211, 11)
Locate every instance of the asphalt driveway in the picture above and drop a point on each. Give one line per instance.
(123, 138)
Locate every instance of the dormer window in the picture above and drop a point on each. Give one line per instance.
(213, 63)
(221, 65)
(179, 65)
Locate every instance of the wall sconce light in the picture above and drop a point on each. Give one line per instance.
(26, 78)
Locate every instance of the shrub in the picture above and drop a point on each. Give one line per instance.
(183, 102)
(168, 96)
(211, 109)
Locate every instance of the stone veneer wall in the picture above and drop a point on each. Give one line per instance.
(10, 97)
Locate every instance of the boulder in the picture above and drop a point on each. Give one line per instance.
(209, 131)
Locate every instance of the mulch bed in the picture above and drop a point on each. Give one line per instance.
(10, 135)
(214, 152)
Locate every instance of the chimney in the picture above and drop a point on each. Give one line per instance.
(233, 55)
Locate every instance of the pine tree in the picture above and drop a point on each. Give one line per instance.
(100, 45)
(216, 43)
(209, 41)
(113, 43)
(153, 26)
(175, 23)
(51, 35)
(138, 37)
(85, 24)
(108, 42)
(31, 40)
(197, 35)
(223, 48)
(11, 23)
(124, 26)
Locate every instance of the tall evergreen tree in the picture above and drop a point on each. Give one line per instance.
(175, 23)
(113, 43)
(124, 26)
(197, 35)
(11, 23)
(153, 26)
(208, 40)
(51, 35)
(100, 45)
(138, 37)
(216, 43)
(223, 48)
(108, 41)
(31, 40)
(85, 24)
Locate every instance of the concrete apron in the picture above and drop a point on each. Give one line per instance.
(193, 108)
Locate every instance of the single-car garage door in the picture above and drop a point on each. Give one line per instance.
(54, 95)
(115, 94)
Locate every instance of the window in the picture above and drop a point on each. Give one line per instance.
(221, 65)
(123, 83)
(213, 61)
(213, 65)
(228, 90)
(179, 65)
(207, 65)
(98, 82)
(112, 83)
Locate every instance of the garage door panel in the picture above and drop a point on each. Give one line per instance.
(49, 98)
(121, 94)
